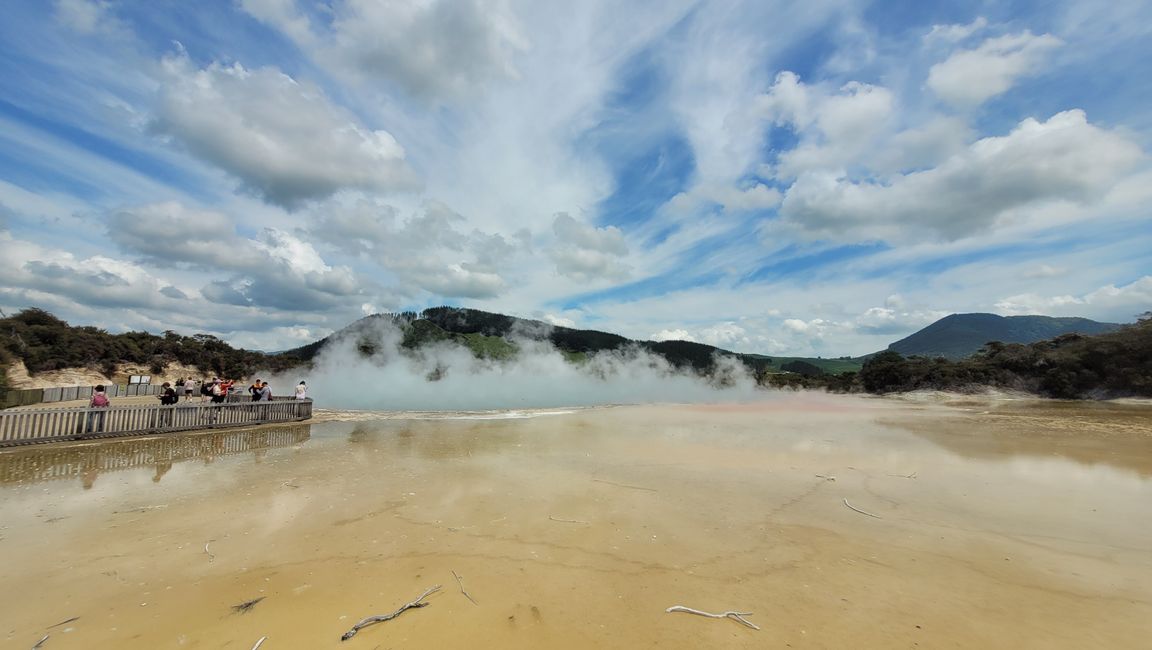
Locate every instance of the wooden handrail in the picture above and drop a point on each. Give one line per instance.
(21, 427)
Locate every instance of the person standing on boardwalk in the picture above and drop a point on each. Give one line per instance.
(301, 391)
(96, 417)
(189, 387)
(265, 394)
(254, 390)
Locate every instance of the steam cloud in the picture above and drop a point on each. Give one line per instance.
(448, 377)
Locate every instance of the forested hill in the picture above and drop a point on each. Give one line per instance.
(494, 335)
(962, 335)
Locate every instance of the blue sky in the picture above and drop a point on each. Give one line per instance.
(816, 178)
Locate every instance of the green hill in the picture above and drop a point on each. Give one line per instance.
(962, 335)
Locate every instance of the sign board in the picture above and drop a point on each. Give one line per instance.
(140, 379)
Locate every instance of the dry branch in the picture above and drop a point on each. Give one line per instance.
(861, 511)
(566, 521)
(461, 584)
(258, 643)
(624, 485)
(736, 616)
(387, 617)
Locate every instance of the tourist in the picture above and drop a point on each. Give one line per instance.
(206, 389)
(168, 397)
(96, 417)
(301, 391)
(219, 391)
(254, 390)
(189, 386)
(265, 392)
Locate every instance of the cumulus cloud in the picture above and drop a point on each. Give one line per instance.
(428, 250)
(585, 253)
(1062, 159)
(172, 232)
(1110, 302)
(969, 77)
(432, 50)
(275, 269)
(98, 281)
(836, 127)
(284, 139)
(671, 335)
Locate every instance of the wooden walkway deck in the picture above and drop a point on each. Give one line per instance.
(29, 426)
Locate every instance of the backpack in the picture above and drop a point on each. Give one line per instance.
(100, 400)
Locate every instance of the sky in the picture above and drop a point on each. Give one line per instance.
(810, 179)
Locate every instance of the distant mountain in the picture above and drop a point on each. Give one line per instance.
(962, 335)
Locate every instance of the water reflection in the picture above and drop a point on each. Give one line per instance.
(1093, 434)
(88, 461)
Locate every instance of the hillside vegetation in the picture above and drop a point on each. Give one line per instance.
(1070, 366)
(1116, 363)
(962, 335)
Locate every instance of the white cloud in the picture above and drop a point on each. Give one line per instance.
(1062, 159)
(586, 253)
(836, 127)
(955, 33)
(284, 139)
(85, 16)
(1121, 304)
(433, 50)
(671, 335)
(969, 77)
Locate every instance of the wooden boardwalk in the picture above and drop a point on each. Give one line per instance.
(28, 426)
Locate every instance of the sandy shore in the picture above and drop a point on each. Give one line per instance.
(987, 526)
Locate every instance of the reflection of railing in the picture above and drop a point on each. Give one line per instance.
(28, 396)
(49, 425)
(85, 461)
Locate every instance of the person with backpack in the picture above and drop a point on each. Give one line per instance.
(168, 397)
(96, 412)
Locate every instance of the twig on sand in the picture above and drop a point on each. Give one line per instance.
(40, 642)
(566, 521)
(623, 485)
(210, 556)
(243, 607)
(64, 622)
(461, 583)
(736, 616)
(912, 475)
(387, 617)
(826, 478)
(258, 643)
(861, 511)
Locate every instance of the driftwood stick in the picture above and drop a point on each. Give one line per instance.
(210, 556)
(65, 622)
(461, 584)
(258, 643)
(387, 617)
(40, 642)
(623, 485)
(566, 521)
(736, 616)
(861, 511)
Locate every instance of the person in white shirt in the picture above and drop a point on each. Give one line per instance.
(301, 391)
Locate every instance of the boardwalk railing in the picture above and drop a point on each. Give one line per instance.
(28, 396)
(21, 427)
